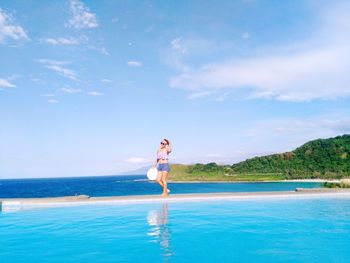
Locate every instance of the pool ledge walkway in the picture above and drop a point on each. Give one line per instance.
(11, 204)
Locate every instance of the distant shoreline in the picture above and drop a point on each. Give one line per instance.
(266, 181)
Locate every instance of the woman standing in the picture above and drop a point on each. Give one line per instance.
(163, 165)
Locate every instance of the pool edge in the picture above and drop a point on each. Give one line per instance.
(12, 204)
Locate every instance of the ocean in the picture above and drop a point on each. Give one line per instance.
(128, 185)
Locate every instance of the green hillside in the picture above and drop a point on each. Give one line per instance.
(322, 158)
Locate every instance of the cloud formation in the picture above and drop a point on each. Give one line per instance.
(52, 101)
(176, 44)
(271, 133)
(81, 16)
(9, 30)
(245, 35)
(70, 90)
(137, 160)
(312, 74)
(95, 93)
(58, 67)
(316, 69)
(6, 84)
(134, 63)
(61, 41)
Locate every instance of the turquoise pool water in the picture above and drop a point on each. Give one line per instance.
(265, 230)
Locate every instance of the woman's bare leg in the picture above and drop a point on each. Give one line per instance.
(165, 184)
(159, 179)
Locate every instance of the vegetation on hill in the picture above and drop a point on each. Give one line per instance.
(336, 185)
(322, 158)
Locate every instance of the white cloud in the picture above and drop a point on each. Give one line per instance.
(115, 20)
(185, 46)
(177, 44)
(54, 62)
(317, 69)
(68, 73)
(245, 35)
(95, 93)
(61, 41)
(304, 76)
(104, 51)
(326, 124)
(70, 90)
(9, 30)
(134, 63)
(182, 48)
(37, 80)
(287, 133)
(57, 66)
(199, 94)
(6, 84)
(106, 80)
(52, 101)
(137, 160)
(81, 16)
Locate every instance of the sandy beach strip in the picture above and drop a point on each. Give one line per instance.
(267, 181)
(15, 204)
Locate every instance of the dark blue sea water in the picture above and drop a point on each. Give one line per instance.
(127, 185)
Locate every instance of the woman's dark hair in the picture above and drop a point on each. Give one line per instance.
(167, 141)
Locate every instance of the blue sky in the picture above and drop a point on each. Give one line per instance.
(91, 87)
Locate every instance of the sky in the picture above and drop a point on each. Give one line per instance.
(90, 88)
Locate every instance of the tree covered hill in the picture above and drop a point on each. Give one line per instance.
(322, 158)
(318, 158)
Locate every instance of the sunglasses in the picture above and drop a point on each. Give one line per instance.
(162, 143)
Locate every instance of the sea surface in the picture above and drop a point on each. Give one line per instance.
(261, 230)
(127, 185)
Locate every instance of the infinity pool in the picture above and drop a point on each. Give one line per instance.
(265, 230)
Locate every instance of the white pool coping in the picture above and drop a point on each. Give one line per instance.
(16, 204)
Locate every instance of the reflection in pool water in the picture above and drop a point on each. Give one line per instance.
(259, 230)
(159, 229)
